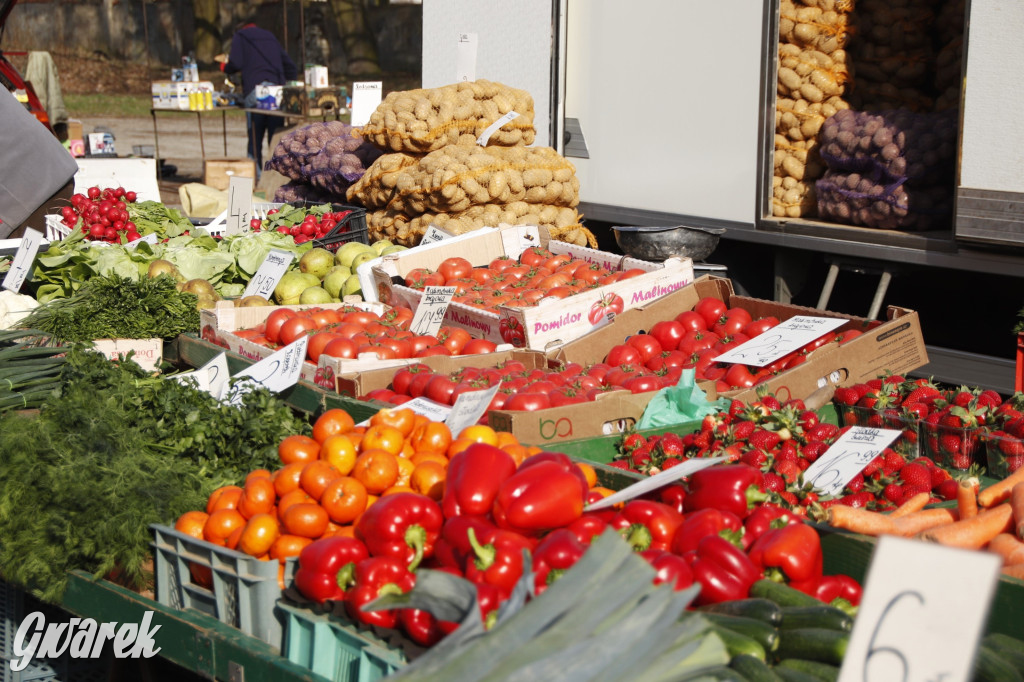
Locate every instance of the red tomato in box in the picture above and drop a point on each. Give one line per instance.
(710, 309)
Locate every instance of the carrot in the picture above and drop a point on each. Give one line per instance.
(1015, 571)
(973, 533)
(999, 492)
(1008, 547)
(966, 500)
(923, 520)
(860, 520)
(913, 504)
(1017, 503)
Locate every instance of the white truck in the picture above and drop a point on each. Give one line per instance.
(667, 110)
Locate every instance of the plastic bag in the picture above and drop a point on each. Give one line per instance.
(684, 402)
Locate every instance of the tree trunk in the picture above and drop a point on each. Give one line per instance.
(356, 38)
(207, 37)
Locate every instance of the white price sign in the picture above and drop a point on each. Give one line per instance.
(469, 407)
(365, 100)
(239, 205)
(430, 312)
(847, 457)
(276, 373)
(916, 623)
(23, 259)
(687, 468)
(781, 340)
(216, 375)
(485, 136)
(435, 412)
(148, 239)
(433, 234)
(269, 273)
(465, 58)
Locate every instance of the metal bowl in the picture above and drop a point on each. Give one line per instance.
(659, 243)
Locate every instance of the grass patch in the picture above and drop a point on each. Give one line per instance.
(94, 105)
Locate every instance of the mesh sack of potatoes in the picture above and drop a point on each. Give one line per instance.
(811, 75)
(799, 120)
(300, 192)
(341, 162)
(828, 5)
(428, 119)
(812, 27)
(792, 198)
(296, 149)
(855, 199)
(797, 159)
(562, 223)
(378, 183)
(456, 178)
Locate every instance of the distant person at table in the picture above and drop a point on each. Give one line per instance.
(261, 60)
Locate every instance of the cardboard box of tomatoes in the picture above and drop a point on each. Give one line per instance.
(552, 321)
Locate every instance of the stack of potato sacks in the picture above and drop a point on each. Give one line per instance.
(813, 73)
(434, 171)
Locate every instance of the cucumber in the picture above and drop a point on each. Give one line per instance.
(737, 644)
(813, 644)
(761, 609)
(790, 675)
(783, 595)
(753, 669)
(991, 667)
(719, 673)
(1010, 648)
(827, 617)
(763, 633)
(822, 671)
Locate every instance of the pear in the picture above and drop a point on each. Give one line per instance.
(362, 258)
(352, 286)
(315, 296)
(253, 302)
(316, 262)
(379, 246)
(291, 286)
(335, 280)
(395, 248)
(349, 251)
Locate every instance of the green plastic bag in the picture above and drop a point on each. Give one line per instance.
(683, 402)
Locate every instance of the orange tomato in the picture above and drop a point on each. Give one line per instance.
(339, 452)
(288, 545)
(191, 523)
(286, 479)
(401, 418)
(431, 436)
(306, 519)
(316, 476)
(344, 500)
(258, 473)
(458, 445)
(428, 479)
(298, 448)
(429, 456)
(259, 535)
(518, 452)
(225, 497)
(506, 438)
(236, 535)
(331, 423)
(297, 496)
(480, 433)
(346, 531)
(405, 468)
(377, 470)
(382, 437)
(604, 492)
(589, 473)
(221, 524)
(397, 489)
(258, 497)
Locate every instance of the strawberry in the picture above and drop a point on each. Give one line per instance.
(856, 484)
(619, 464)
(915, 474)
(755, 458)
(641, 457)
(927, 461)
(736, 407)
(939, 476)
(892, 461)
(671, 445)
(788, 470)
(947, 490)
(789, 498)
(788, 452)
(771, 402)
(822, 432)
(813, 450)
(911, 490)
(922, 394)
(702, 440)
(803, 464)
(872, 467)
(631, 441)
(1010, 445)
(989, 398)
(846, 396)
(670, 462)
(873, 384)
(1014, 463)
(741, 430)
(893, 492)
(774, 483)
(857, 500)
(763, 439)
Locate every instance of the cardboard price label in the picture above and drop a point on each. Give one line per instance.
(915, 623)
(847, 457)
(485, 136)
(211, 377)
(465, 58)
(239, 205)
(430, 312)
(433, 234)
(780, 340)
(276, 372)
(148, 239)
(469, 407)
(687, 468)
(366, 98)
(269, 273)
(435, 412)
(23, 260)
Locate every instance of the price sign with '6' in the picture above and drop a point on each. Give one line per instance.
(847, 457)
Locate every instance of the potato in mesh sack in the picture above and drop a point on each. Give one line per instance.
(855, 199)
(456, 178)
(820, 29)
(342, 161)
(299, 192)
(425, 120)
(295, 150)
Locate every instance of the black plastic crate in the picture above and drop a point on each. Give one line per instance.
(351, 229)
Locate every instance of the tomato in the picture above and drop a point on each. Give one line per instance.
(341, 348)
(476, 346)
(727, 343)
(481, 275)
(646, 344)
(383, 352)
(556, 262)
(324, 317)
(401, 348)
(404, 376)
(548, 282)
(668, 333)
(295, 327)
(598, 370)
(527, 402)
(501, 264)
(710, 309)
(259, 535)
(610, 303)
(440, 389)
(669, 358)
(360, 317)
(697, 341)
(433, 350)
(381, 394)
(732, 322)
(617, 376)
(641, 383)
(623, 354)
(567, 396)
(453, 338)
(317, 343)
(305, 519)
(818, 342)
(420, 278)
(739, 376)
(759, 326)
(419, 383)
(535, 256)
(454, 268)
(274, 322)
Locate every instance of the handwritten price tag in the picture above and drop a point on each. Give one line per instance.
(216, 374)
(465, 58)
(847, 457)
(433, 234)
(780, 340)
(148, 239)
(469, 407)
(276, 373)
(269, 273)
(239, 205)
(365, 100)
(23, 259)
(485, 136)
(430, 312)
(654, 482)
(915, 623)
(435, 412)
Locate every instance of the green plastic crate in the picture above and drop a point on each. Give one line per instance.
(334, 649)
(604, 448)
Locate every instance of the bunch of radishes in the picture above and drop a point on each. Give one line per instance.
(103, 213)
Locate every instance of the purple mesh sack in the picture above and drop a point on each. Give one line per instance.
(296, 150)
(855, 199)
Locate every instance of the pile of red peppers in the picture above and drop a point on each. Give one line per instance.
(717, 530)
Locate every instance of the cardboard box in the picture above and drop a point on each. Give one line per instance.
(217, 173)
(148, 353)
(269, 97)
(312, 101)
(76, 137)
(553, 321)
(315, 76)
(172, 94)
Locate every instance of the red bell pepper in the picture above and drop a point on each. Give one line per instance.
(673, 495)
(595, 496)
(375, 577)
(455, 538)
(473, 478)
(733, 488)
(724, 572)
(559, 458)
(764, 517)
(541, 495)
(326, 567)
(403, 525)
(555, 554)
(647, 525)
(669, 567)
(498, 558)
(791, 553)
(829, 588)
(704, 522)
(421, 626)
(587, 527)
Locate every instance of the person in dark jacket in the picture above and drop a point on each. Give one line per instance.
(261, 60)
